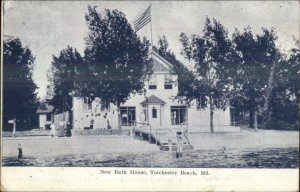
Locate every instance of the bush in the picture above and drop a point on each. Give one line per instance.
(276, 124)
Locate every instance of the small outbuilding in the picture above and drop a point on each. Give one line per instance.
(46, 116)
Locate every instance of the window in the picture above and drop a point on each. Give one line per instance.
(200, 103)
(152, 86)
(87, 104)
(104, 106)
(127, 116)
(49, 117)
(218, 104)
(47, 127)
(168, 82)
(178, 115)
(153, 82)
(154, 112)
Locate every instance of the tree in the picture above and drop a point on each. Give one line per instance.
(213, 56)
(285, 93)
(64, 78)
(185, 76)
(118, 60)
(258, 57)
(19, 89)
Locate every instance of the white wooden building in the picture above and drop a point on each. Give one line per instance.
(157, 107)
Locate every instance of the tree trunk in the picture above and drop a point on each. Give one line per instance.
(268, 93)
(70, 110)
(119, 116)
(70, 118)
(211, 115)
(251, 118)
(255, 120)
(27, 123)
(211, 120)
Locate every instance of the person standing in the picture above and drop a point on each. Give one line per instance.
(108, 125)
(86, 122)
(179, 144)
(92, 122)
(143, 118)
(124, 119)
(68, 131)
(52, 131)
(20, 152)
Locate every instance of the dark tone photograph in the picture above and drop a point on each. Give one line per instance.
(166, 84)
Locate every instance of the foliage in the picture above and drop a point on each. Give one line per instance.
(213, 56)
(258, 56)
(19, 90)
(118, 60)
(283, 101)
(65, 77)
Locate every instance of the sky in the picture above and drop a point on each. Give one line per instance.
(47, 27)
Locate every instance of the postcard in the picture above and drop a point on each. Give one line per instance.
(150, 96)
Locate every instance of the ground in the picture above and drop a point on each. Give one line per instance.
(244, 149)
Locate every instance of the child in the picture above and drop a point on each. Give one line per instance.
(92, 122)
(52, 132)
(20, 155)
(108, 125)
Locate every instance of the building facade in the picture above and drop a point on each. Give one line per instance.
(157, 107)
(46, 116)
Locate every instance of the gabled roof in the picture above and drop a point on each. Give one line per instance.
(153, 100)
(160, 64)
(47, 109)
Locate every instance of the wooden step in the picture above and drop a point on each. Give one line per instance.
(174, 147)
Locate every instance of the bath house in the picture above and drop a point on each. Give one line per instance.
(156, 108)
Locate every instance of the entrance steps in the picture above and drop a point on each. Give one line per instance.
(166, 146)
(161, 137)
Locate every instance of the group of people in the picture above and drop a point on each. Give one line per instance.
(62, 130)
(92, 121)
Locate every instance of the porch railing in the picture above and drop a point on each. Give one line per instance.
(143, 125)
